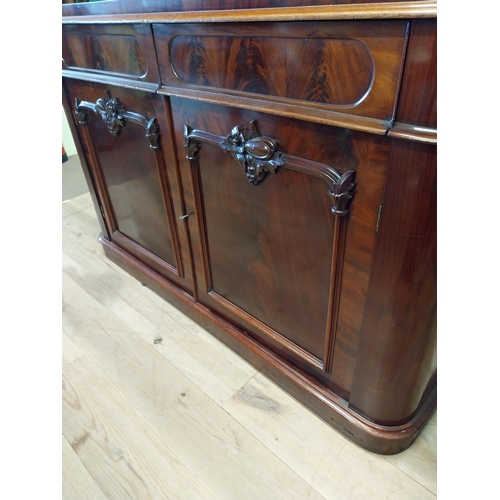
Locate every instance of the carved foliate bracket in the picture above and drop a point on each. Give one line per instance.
(256, 154)
(81, 114)
(191, 145)
(341, 192)
(152, 133)
(115, 116)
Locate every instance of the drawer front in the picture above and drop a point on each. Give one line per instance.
(125, 51)
(348, 67)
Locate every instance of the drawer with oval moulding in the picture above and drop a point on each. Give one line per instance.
(343, 73)
(120, 54)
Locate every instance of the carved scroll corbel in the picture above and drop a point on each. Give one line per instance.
(115, 116)
(341, 192)
(191, 145)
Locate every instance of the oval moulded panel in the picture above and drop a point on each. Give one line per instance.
(120, 55)
(322, 70)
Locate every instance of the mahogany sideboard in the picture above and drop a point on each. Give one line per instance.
(269, 167)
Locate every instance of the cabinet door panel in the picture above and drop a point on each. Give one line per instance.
(268, 248)
(131, 176)
(130, 155)
(262, 256)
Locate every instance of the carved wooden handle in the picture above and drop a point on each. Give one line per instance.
(115, 116)
(258, 155)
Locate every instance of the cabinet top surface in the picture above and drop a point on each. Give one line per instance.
(235, 10)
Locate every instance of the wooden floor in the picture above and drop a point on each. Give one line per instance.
(187, 418)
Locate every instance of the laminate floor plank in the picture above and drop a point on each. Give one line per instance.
(217, 450)
(334, 466)
(81, 203)
(420, 460)
(69, 350)
(70, 208)
(434, 417)
(120, 451)
(202, 358)
(73, 180)
(77, 483)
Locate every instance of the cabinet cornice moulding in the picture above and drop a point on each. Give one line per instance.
(399, 10)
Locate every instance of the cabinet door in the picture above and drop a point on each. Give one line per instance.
(270, 226)
(125, 135)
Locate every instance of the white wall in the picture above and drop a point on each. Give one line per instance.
(67, 138)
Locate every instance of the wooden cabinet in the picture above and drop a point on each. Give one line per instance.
(276, 181)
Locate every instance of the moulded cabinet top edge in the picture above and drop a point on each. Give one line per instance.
(101, 14)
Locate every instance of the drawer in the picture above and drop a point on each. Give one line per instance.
(125, 51)
(346, 67)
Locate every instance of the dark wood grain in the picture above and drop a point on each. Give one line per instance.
(106, 51)
(349, 67)
(360, 243)
(296, 69)
(250, 236)
(418, 103)
(120, 51)
(299, 110)
(397, 354)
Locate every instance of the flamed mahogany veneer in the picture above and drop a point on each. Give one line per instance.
(270, 169)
